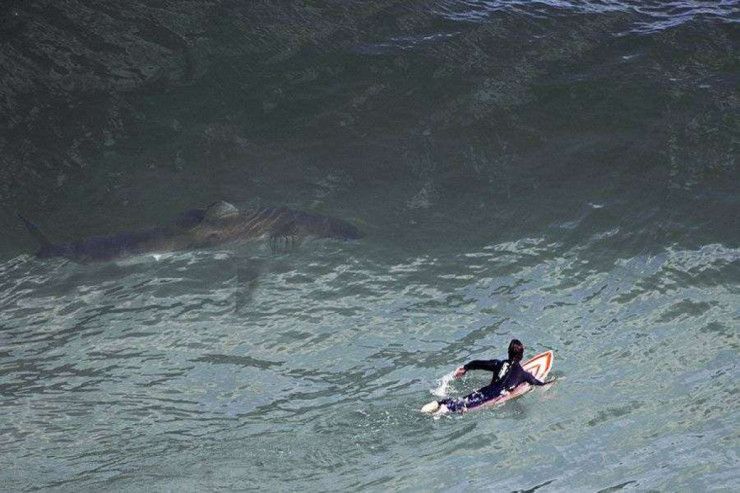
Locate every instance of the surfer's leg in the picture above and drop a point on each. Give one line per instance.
(462, 404)
(473, 400)
(454, 405)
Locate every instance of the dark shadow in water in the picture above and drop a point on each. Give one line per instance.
(617, 487)
(532, 490)
(248, 276)
(244, 361)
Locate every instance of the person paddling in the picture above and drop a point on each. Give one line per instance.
(507, 375)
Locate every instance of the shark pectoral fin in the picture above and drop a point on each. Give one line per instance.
(35, 232)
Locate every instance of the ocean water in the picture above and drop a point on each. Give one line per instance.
(560, 172)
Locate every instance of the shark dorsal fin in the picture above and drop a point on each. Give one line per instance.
(35, 232)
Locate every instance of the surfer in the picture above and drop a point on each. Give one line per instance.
(507, 375)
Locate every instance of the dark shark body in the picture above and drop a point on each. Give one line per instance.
(218, 224)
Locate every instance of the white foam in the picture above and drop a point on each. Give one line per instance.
(444, 382)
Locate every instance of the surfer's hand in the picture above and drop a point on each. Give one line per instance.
(460, 372)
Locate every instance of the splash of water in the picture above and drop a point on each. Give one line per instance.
(444, 382)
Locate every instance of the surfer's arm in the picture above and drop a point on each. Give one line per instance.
(531, 379)
(488, 365)
(493, 365)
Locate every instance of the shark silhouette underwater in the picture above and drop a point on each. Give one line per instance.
(218, 224)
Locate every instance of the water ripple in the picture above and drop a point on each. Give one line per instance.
(320, 371)
(648, 16)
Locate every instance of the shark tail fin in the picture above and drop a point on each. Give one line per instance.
(35, 232)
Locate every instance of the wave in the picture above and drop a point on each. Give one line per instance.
(648, 17)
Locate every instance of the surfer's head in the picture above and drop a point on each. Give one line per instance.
(516, 350)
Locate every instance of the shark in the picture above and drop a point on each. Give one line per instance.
(220, 223)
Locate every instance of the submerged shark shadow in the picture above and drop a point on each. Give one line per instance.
(247, 281)
(218, 224)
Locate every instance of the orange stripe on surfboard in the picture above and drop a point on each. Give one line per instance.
(540, 365)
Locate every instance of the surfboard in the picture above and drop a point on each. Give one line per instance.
(539, 366)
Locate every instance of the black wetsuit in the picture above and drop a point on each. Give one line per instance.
(512, 376)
